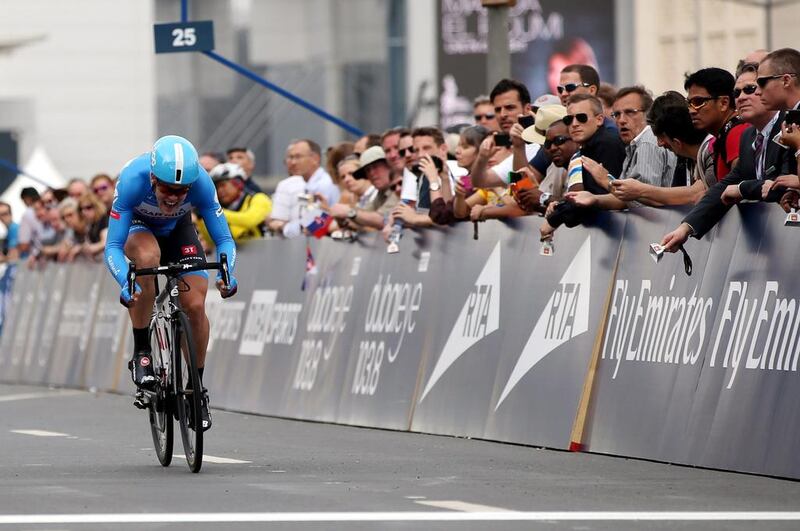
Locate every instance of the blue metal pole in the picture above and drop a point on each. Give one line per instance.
(184, 10)
(285, 93)
(16, 169)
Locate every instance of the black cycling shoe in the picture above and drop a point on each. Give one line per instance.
(141, 367)
(205, 414)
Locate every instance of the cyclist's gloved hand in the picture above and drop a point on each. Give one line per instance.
(125, 296)
(232, 288)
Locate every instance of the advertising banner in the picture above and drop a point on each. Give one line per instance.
(515, 353)
(544, 37)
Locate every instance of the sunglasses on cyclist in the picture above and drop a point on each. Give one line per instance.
(487, 116)
(571, 87)
(172, 190)
(582, 117)
(763, 80)
(560, 140)
(698, 102)
(629, 113)
(410, 150)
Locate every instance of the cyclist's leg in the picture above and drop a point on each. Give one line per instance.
(182, 246)
(142, 249)
(194, 304)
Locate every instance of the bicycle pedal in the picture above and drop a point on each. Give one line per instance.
(141, 400)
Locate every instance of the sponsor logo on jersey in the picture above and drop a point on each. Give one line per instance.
(188, 250)
(114, 214)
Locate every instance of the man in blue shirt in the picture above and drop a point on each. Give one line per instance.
(8, 253)
(150, 224)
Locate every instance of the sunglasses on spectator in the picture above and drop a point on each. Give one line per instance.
(411, 149)
(560, 140)
(571, 87)
(87, 207)
(747, 89)
(763, 80)
(101, 188)
(172, 190)
(487, 116)
(629, 113)
(5, 213)
(582, 117)
(698, 102)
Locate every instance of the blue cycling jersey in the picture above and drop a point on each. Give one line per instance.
(134, 199)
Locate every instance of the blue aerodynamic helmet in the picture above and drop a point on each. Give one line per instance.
(174, 161)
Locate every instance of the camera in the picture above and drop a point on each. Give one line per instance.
(526, 120)
(502, 140)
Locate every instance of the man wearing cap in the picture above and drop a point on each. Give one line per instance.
(378, 201)
(551, 181)
(245, 212)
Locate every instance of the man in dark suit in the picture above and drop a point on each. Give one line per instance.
(760, 159)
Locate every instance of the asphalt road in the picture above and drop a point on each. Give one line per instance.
(76, 460)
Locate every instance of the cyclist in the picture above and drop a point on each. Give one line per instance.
(150, 223)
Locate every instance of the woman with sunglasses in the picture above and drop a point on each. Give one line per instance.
(102, 186)
(94, 215)
(151, 225)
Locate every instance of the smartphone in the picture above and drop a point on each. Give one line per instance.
(792, 117)
(438, 162)
(526, 120)
(515, 176)
(466, 182)
(502, 140)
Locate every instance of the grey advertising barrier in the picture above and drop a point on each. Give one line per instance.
(482, 338)
(701, 370)
(510, 346)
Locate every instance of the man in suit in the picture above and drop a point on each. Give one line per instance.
(759, 159)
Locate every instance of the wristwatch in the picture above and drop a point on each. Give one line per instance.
(436, 186)
(544, 198)
(352, 213)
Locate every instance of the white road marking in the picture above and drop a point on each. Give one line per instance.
(40, 433)
(455, 505)
(429, 516)
(28, 396)
(218, 460)
(416, 497)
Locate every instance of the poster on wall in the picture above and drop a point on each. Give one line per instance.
(544, 37)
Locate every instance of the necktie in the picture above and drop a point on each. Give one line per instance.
(759, 146)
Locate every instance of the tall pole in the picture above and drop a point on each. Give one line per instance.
(768, 9)
(498, 55)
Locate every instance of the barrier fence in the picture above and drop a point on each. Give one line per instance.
(596, 347)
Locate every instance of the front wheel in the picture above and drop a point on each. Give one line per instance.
(161, 407)
(188, 392)
(161, 426)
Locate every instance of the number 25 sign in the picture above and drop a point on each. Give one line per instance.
(184, 37)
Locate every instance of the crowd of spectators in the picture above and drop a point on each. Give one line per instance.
(724, 138)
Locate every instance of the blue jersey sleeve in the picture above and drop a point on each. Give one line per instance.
(131, 189)
(203, 195)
